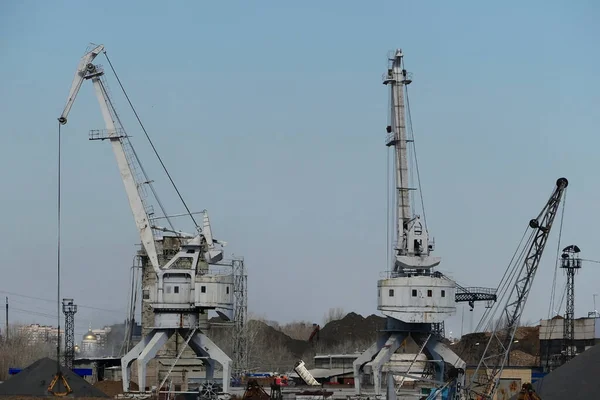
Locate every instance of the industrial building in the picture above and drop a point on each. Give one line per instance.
(332, 368)
(552, 339)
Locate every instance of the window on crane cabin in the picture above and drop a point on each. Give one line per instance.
(227, 291)
(429, 293)
(414, 293)
(203, 289)
(175, 289)
(391, 292)
(443, 293)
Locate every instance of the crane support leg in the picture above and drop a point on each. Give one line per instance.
(360, 361)
(129, 358)
(439, 350)
(203, 346)
(445, 353)
(384, 355)
(210, 369)
(157, 340)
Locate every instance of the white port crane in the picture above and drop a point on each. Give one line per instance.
(414, 297)
(185, 289)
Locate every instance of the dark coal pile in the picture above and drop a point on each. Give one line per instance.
(34, 380)
(353, 328)
(575, 380)
(277, 338)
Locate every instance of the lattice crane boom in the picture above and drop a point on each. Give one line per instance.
(487, 375)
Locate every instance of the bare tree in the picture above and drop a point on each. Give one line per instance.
(19, 351)
(333, 314)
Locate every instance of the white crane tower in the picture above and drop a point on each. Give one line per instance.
(413, 296)
(185, 290)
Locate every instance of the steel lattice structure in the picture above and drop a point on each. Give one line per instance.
(240, 316)
(69, 309)
(486, 377)
(571, 263)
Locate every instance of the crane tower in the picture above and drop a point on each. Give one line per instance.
(414, 297)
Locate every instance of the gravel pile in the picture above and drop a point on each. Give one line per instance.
(519, 358)
(526, 351)
(34, 380)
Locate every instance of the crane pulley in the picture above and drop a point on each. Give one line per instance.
(489, 370)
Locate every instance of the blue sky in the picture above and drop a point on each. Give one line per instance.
(272, 115)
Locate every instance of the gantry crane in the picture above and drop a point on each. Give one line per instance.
(485, 379)
(185, 288)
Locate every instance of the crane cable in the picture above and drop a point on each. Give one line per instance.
(151, 143)
(147, 180)
(508, 276)
(58, 254)
(556, 266)
(414, 146)
(551, 308)
(59, 375)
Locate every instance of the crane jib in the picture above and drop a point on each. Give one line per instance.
(486, 377)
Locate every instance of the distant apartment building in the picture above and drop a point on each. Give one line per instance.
(37, 333)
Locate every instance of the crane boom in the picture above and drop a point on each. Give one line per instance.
(78, 80)
(489, 370)
(87, 70)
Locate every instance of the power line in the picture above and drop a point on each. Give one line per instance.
(52, 301)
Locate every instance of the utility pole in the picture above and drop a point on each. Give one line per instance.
(6, 331)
